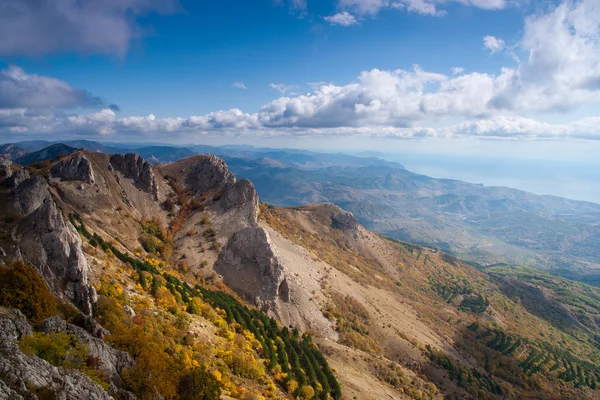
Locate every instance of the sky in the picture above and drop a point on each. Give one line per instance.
(511, 78)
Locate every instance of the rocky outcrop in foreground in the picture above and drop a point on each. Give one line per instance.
(25, 376)
(75, 167)
(135, 167)
(249, 265)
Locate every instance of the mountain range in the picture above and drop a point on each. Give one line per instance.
(480, 224)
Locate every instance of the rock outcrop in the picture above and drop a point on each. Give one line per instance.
(75, 167)
(344, 221)
(25, 376)
(139, 170)
(209, 174)
(249, 265)
(51, 244)
(110, 361)
(30, 194)
(6, 167)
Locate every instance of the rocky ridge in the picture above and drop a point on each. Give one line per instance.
(25, 376)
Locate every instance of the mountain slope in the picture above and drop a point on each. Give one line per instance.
(189, 268)
(482, 224)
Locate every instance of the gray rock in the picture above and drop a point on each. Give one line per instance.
(50, 243)
(27, 375)
(129, 311)
(6, 167)
(135, 167)
(110, 360)
(249, 266)
(19, 176)
(90, 325)
(344, 221)
(31, 194)
(241, 195)
(209, 174)
(75, 167)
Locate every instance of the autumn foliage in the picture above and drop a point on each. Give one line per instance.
(21, 287)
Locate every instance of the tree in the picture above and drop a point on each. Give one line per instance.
(199, 384)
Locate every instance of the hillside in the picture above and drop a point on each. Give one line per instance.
(185, 283)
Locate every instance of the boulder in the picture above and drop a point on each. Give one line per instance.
(249, 265)
(75, 167)
(134, 167)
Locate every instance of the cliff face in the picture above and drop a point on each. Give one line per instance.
(250, 266)
(135, 167)
(48, 242)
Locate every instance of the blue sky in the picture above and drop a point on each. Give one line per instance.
(188, 61)
(443, 75)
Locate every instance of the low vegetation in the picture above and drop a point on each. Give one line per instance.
(21, 287)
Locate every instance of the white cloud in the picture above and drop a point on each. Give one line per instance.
(424, 7)
(494, 44)
(19, 89)
(457, 70)
(281, 88)
(342, 19)
(560, 71)
(38, 27)
(239, 85)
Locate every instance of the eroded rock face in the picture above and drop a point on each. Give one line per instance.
(135, 167)
(75, 167)
(20, 373)
(249, 265)
(209, 174)
(344, 221)
(30, 194)
(49, 243)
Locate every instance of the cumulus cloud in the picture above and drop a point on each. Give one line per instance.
(342, 19)
(494, 44)
(424, 7)
(39, 27)
(239, 85)
(561, 71)
(21, 90)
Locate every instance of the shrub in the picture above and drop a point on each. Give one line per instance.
(21, 287)
(62, 350)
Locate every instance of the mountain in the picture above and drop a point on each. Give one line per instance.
(11, 151)
(485, 225)
(47, 153)
(136, 280)
(164, 154)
